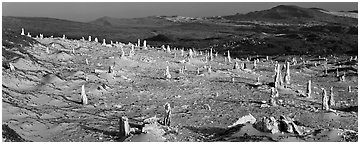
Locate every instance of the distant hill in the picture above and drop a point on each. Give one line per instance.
(292, 14)
(349, 14)
(72, 29)
(151, 21)
(353, 11)
(47, 26)
(315, 8)
(157, 29)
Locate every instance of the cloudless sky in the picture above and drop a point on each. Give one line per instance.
(89, 11)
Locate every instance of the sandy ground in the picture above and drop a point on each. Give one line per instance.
(41, 98)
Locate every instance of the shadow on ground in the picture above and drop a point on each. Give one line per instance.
(212, 134)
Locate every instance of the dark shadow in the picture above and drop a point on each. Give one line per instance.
(136, 123)
(311, 102)
(206, 131)
(224, 69)
(351, 74)
(245, 138)
(299, 123)
(10, 56)
(213, 134)
(346, 63)
(62, 51)
(271, 84)
(55, 43)
(152, 77)
(9, 135)
(324, 75)
(343, 69)
(70, 100)
(80, 47)
(264, 70)
(108, 133)
(317, 59)
(258, 57)
(254, 85)
(238, 101)
(348, 109)
(227, 81)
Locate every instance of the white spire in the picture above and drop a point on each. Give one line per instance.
(103, 42)
(84, 99)
(168, 49)
(229, 57)
(22, 31)
(308, 89)
(325, 100)
(167, 73)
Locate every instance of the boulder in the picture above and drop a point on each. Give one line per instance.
(267, 124)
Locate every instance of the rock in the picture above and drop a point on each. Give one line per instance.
(274, 92)
(111, 69)
(125, 78)
(84, 99)
(103, 87)
(245, 119)
(236, 66)
(331, 97)
(295, 128)
(267, 124)
(12, 68)
(151, 133)
(228, 56)
(99, 71)
(185, 106)
(167, 73)
(124, 127)
(151, 120)
(308, 89)
(167, 118)
(117, 106)
(285, 125)
(10, 135)
(207, 106)
(325, 100)
(272, 102)
(264, 105)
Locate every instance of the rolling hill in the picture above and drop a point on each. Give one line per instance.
(294, 15)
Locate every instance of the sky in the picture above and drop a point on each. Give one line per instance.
(88, 11)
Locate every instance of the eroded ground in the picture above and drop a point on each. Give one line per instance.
(41, 98)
